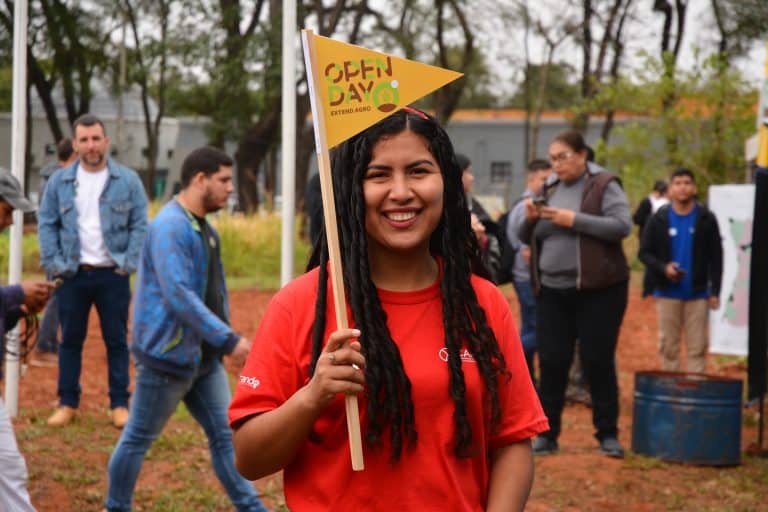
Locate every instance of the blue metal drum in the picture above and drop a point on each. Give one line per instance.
(687, 417)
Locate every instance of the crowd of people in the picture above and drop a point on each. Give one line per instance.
(450, 390)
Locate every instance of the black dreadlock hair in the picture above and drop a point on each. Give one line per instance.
(390, 405)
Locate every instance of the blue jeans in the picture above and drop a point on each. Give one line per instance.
(110, 292)
(528, 320)
(156, 396)
(48, 330)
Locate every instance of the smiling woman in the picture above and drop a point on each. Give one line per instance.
(403, 191)
(434, 356)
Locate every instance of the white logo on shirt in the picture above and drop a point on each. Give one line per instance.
(672, 231)
(466, 356)
(252, 382)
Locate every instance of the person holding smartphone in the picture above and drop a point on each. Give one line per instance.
(538, 172)
(579, 275)
(683, 253)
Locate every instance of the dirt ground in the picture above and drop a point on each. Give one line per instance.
(68, 466)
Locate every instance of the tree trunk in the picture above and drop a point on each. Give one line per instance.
(44, 90)
(250, 154)
(618, 52)
(529, 154)
(151, 169)
(718, 159)
(539, 107)
(581, 121)
(669, 60)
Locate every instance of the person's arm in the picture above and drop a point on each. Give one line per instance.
(614, 224)
(137, 225)
(11, 299)
(642, 213)
(532, 216)
(267, 442)
(48, 226)
(648, 249)
(18, 300)
(514, 223)
(511, 477)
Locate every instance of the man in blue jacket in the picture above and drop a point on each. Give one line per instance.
(15, 301)
(180, 332)
(91, 224)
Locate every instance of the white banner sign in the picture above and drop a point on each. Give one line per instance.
(728, 326)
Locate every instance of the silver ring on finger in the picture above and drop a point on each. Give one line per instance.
(332, 357)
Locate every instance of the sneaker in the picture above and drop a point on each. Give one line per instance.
(44, 360)
(611, 447)
(544, 446)
(119, 416)
(63, 416)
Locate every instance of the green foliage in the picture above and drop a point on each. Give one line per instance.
(703, 128)
(6, 88)
(561, 91)
(478, 89)
(250, 249)
(743, 22)
(30, 259)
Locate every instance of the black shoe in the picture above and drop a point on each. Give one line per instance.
(611, 447)
(544, 446)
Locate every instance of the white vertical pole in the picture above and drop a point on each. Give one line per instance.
(120, 131)
(289, 141)
(18, 143)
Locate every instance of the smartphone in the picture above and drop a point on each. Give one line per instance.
(539, 201)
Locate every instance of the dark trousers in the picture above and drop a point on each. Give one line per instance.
(48, 330)
(111, 294)
(594, 318)
(527, 301)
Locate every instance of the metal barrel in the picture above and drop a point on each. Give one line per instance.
(691, 418)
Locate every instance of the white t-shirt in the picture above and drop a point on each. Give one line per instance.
(90, 185)
(657, 202)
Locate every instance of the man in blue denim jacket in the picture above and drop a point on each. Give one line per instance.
(91, 225)
(181, 330)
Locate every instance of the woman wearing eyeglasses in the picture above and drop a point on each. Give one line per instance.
(580, 275)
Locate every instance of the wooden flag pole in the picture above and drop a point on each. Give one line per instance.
(332, 236)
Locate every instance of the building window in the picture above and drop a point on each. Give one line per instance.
(501, 172)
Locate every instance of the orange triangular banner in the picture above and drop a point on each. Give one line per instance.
(357, 87)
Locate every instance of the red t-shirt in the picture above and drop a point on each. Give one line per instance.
(427, 476)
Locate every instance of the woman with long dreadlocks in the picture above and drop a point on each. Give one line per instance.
(448, 408)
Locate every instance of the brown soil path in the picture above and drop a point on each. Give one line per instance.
(68, 466)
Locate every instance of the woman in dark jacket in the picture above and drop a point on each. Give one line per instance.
(580, 275)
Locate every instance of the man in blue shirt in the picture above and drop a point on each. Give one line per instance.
(682, 250)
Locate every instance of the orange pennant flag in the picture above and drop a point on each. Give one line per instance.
(358, 87)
